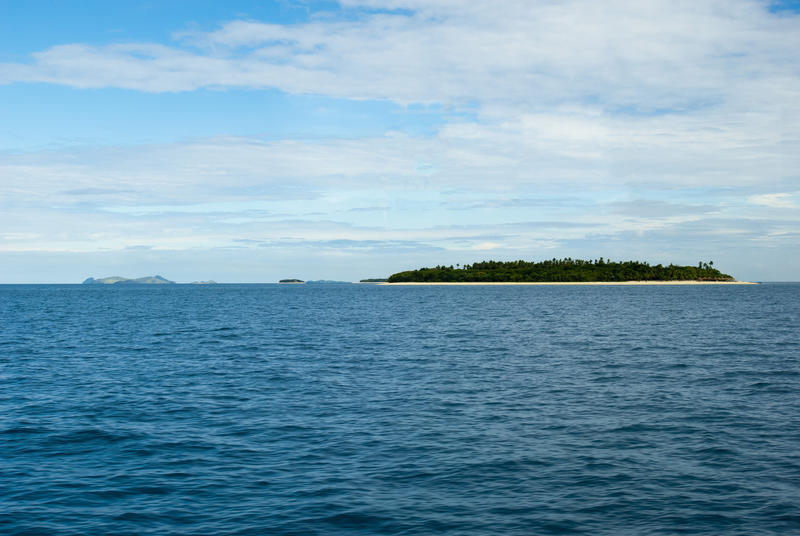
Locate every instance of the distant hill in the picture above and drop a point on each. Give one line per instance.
(561, 270)
(117, 280)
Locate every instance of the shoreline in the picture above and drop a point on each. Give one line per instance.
(681, 282)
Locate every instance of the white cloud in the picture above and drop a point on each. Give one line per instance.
(486, 246)
(650, 55)
(781, 200)
(618, 91)
(693, 107)
(211, 193)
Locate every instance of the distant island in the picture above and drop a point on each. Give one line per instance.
(291, 281)
(374, 280)
(561, 271)
(209, 282)
(117, 280)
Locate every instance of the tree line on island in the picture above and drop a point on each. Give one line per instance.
(560, 270)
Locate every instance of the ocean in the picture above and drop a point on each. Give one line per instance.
(361, 409)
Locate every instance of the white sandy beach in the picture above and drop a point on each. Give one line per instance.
(691, 282)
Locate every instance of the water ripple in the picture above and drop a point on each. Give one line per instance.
(263, 409)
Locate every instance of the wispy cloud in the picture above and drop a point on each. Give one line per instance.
(780, 200)
(650, 208)
(642, 56)
(616, 122)
(95, 191)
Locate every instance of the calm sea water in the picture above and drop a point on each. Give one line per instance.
(357, 409)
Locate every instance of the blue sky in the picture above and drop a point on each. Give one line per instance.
(250, 141)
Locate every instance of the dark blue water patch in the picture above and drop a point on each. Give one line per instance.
(350, 409)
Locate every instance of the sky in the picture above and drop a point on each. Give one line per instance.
(248, 141)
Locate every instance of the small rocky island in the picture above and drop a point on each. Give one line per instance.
(291, 281)
(117, 280)
(562, 271)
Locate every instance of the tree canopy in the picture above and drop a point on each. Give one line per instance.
(561, 270)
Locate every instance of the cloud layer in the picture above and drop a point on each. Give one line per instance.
(649, 56)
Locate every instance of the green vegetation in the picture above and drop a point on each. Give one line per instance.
(560, 270)
(374, 280)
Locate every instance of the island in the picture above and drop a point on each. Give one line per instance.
(566, 270)
(117, 280)
(209, 282)
(291, 281)
(374, 280)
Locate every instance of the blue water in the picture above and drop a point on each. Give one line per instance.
(358, 409)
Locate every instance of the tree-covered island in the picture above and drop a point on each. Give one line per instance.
(560, 271)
